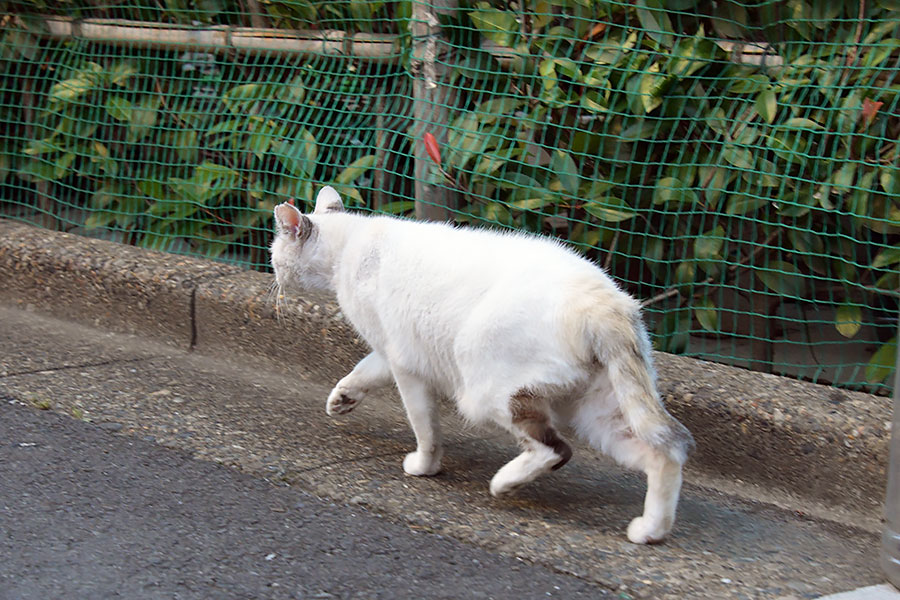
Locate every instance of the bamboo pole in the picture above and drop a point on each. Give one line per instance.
(365, 46)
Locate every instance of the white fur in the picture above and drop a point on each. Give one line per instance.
(480, 316)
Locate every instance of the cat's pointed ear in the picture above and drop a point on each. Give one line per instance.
(290, 221)
(328, 200)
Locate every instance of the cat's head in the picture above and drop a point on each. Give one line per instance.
(296, 254)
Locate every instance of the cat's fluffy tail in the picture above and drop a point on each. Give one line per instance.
(621, 344)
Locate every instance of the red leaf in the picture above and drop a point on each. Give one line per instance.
(869, 110)
(431, 147)
(291, 201)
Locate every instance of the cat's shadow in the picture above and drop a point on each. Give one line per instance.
(584, 482)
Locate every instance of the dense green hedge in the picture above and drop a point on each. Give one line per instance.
(715, 189)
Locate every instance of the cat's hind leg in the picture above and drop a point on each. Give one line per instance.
(371, 373)
(422, 411)
(543, 449)
(602, 424)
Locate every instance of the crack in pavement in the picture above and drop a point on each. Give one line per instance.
(79, 366)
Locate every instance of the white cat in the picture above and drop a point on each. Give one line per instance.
(517, 329)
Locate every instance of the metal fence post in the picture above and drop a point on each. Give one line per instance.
(431, 106)
(890, 538)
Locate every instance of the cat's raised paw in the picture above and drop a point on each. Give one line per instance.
(643, 531)
(341, 401)
(420, 464)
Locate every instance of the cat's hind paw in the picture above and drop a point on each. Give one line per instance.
(642, 530)
(342, 400)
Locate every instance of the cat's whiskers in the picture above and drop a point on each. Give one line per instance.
(275, 297)
(280, 303)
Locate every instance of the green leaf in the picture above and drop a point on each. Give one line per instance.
(690, 55)
(143, 118)
(185, 143)
(655, 20)
(767, 105)
(594, 102)
(783, 278)
(119, 108)
(355, 169)
(37, 170)
(152, 189)
(515, 180)
(121, 72)
(258, 143)
(70, 89)
(882, 363)
(299, 155)
(294, 92)
(610, 209)
(842, 180)
(730, 20)
(707, 314)
(741, 158)
(499, 26)
(492, 162)
(38, 147)
(714, 179)
(229, 126)
(490, 110)
(739, 204)
(105, 196)
(565, 168)
(652, 86)
(888, 180)
(671, 190)
(532, 203)
(100, 218)
(652, 255)
(888, 256)
(848, 320)
(673, 332)
(240, 98)
(62, 164)
(801, 123)
(685, 273)
(398, 207)
(710, 245)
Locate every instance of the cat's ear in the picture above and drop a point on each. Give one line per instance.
(328, 200)
(290, 221)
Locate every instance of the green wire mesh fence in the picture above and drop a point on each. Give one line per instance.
(732, 163)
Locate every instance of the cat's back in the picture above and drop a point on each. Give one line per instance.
(477, 250)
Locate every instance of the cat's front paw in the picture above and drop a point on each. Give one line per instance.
(422, 464)
(342, 400)
(644, 531)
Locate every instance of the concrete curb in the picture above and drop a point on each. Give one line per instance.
(818, 442)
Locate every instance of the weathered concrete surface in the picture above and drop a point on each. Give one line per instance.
(307, 336)
(815, 441)
(813, 447)
(114, 286)
(271, 424)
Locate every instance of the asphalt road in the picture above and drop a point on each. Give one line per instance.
(87, 514)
